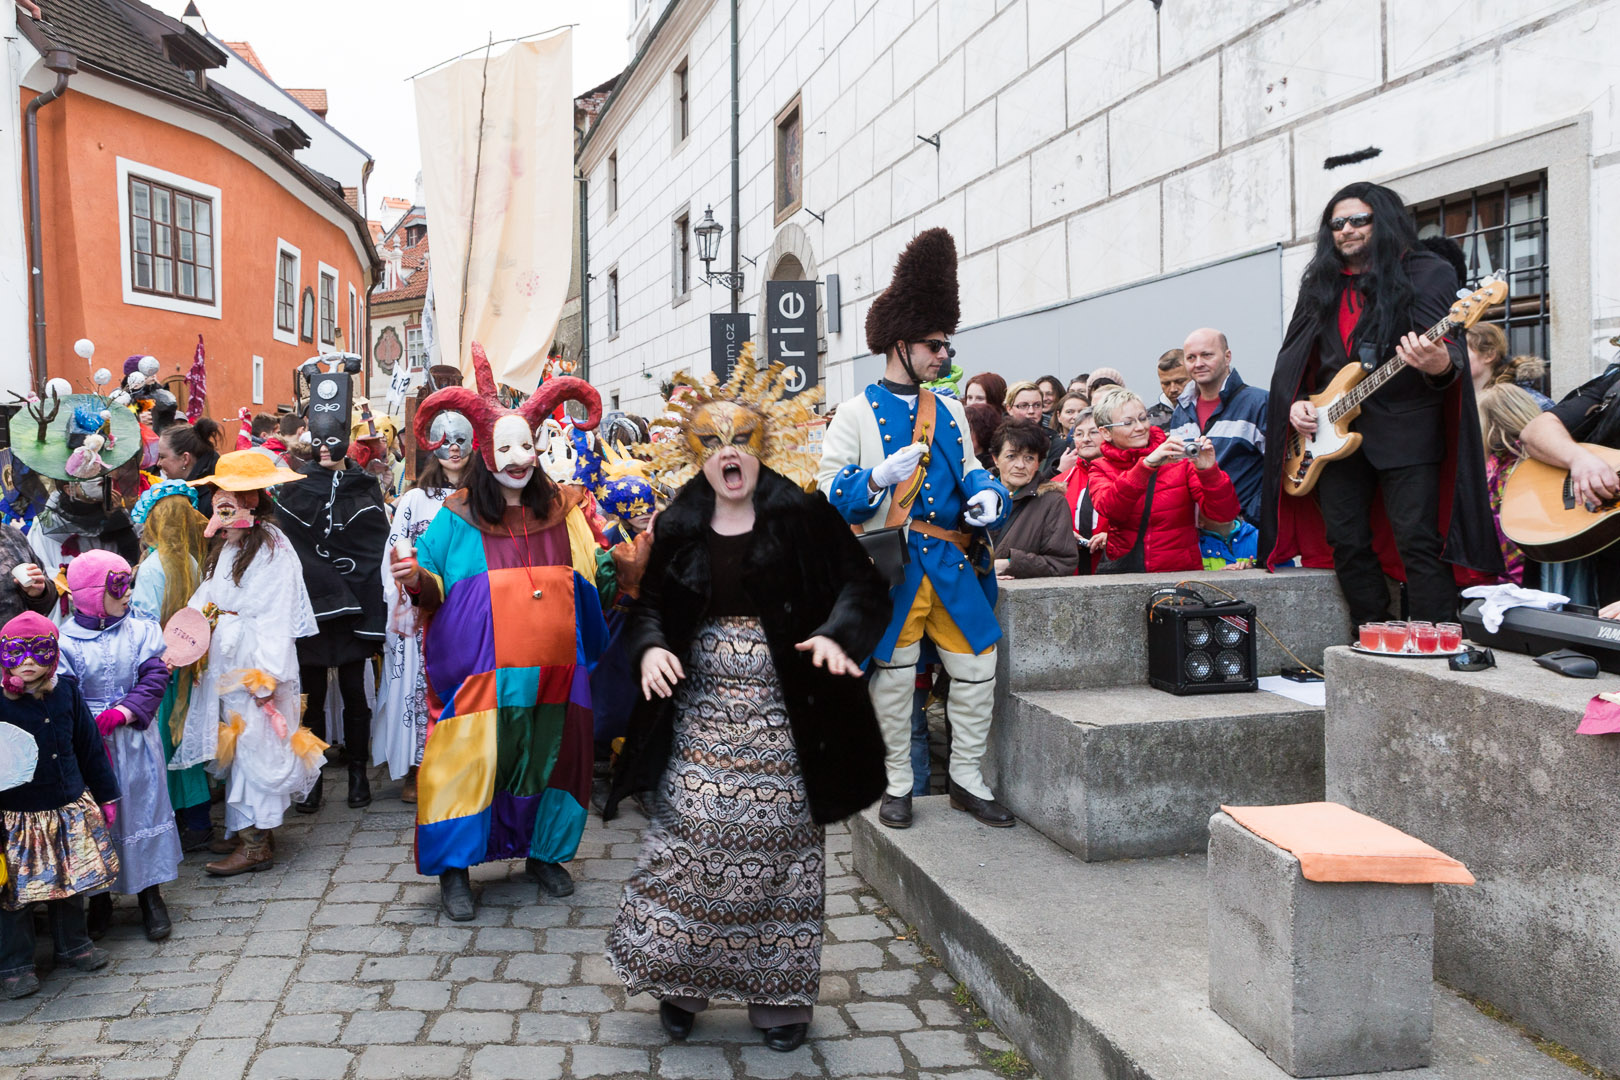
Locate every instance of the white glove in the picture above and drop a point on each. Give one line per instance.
(898, 466)
(983, 508)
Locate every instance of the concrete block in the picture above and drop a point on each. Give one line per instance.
(1111, 59)
(1234, 203)
(1134, 772)
(1201, 27)
(1487, 767)
(1083, 632)
(1116, 243)
(1327, 978)
(998, 206)
(1028, 112)
(1031, 271)
(1116, 983)
(1070, 172)
(1254, 96)
(996, 53)
(1172, 123)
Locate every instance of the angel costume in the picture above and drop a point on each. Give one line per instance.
(265, 759)
(400, 732)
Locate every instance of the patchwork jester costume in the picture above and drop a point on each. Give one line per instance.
(948, 593)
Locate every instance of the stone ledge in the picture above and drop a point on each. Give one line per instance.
(1101, 969)
(1134, 772)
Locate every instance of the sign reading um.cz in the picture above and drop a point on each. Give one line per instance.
(790, 332)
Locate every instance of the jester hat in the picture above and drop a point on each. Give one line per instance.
(484, 409)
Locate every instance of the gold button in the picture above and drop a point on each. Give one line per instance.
(838, 491)
(930, 487)
(930, 499)
(959, 566)
(953, 423)
(888, 438)
(882, 421)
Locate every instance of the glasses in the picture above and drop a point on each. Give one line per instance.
(1354, 221)
(939, 345)
(1135, 421)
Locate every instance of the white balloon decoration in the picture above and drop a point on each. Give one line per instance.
(102, 376)
(85, 348)
(149, 365)
(118, 397)
(134, 380)
(59, 387)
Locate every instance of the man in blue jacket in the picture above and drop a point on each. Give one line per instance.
(1219, 404)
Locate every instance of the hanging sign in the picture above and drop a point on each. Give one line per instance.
(790, 332)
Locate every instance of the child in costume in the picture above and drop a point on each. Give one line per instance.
(170, 571)
(400, 727)
(56, 843)
(115, 656)
(243, 716)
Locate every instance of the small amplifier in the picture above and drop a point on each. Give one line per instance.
(1195, 647)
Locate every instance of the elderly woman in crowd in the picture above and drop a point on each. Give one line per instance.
(1037, 539)
(1148, 488)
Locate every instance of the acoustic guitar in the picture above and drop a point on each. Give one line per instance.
(1541, 513)
(1338, 405)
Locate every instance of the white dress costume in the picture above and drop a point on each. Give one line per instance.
(106, 663)
(259, 622)
(399, 725)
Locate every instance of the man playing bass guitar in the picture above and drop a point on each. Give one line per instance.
(1418, 479)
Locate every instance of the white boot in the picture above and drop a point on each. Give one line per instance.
(969, 706)
(891, 688)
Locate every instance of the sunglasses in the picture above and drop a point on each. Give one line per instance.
(1354, 221)
(939, 345)
(42, 650)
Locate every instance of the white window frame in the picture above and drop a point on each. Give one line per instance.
(680, 116)
(613, 184)
(258, 380)
(613, 303)
(287, 337)
(355, 341)
(322, 270)
(421, 334)
(214, 310)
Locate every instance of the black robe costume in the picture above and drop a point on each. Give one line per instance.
(338, 524)
(1291, 526)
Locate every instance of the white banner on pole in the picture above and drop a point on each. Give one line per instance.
(499, 196)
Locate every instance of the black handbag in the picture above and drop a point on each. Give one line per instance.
(1134, 561)
(886, 546)
(889, 552)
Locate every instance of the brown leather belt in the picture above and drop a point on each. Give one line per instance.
(960, 539)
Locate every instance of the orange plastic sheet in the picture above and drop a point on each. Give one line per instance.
(1335, 843)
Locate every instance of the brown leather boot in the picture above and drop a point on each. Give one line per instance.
(254, 854)
(407, 794)
(223, 845)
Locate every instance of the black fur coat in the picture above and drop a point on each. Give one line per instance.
(808, 575)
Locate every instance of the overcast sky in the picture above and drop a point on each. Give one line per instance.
(361, 53)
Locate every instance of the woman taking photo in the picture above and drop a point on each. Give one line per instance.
(757, 606)
(1144, 477)
(1038, 537)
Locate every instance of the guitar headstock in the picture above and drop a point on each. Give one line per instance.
(1467, 311)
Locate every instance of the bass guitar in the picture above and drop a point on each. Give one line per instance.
(1541, 513)
(1338, 405)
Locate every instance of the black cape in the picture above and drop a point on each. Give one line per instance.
(338, 524)
(1288, 528)
(807, 575)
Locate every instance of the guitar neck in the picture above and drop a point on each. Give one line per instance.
(1369, 386)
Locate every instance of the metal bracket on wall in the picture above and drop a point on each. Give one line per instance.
(815, 215)
(932, 140)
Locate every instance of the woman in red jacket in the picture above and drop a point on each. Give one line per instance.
(1133, 453)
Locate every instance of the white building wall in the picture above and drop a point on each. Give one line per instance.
(1085, 145)
(16, 57)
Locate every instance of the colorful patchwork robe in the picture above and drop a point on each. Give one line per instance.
(514, 625)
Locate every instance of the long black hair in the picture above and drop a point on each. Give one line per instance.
(1386, 290)
(486, 496)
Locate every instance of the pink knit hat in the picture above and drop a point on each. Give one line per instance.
(94, 574)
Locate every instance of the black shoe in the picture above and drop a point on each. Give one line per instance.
(676, 1020)
(359, 786)
(19, 986)
(196, 839)
(312, 801)
(455, 894)
(94, 960)
(787, 1038)
(987, 811)
(896, 814)
(154, 913)
(98, 915)
(553, 878)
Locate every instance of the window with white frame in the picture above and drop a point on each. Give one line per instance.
(613, 183)
(258, 380)
(327, 310)
(681, 253)
(169, 240)
(415, 348)
(682, 95)
(613, 302)
(284, 326)
(354, 337)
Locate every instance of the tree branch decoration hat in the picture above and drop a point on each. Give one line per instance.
(922, 296)
(751, 411)
(484, 409)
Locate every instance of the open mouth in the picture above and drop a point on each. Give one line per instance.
(731, 475)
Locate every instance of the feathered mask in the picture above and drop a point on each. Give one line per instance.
(484, 409)
(749, 411)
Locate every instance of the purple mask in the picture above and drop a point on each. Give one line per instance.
(119, 582)
(42, 650)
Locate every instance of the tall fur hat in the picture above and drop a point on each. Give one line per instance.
(922, 297)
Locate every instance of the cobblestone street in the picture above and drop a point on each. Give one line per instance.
(337, 963)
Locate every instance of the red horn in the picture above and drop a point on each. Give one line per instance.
(454, 399)
(555, 391)
(483, 377)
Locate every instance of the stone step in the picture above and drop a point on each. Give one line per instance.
(1134, 772)
(1100, 970)
(1079, 632)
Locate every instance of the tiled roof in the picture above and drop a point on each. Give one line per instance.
(245, 53)
(313, 100)
(391, 202)
(415, 255)
(125, 38)
(376, 231)
(414, 289)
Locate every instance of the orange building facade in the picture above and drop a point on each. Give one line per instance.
(162, 220)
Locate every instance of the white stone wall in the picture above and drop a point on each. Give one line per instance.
(1085, 145)
(16, 343)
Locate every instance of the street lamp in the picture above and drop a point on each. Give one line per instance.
(708, 236)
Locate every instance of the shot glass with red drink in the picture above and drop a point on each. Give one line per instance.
(1395, 636)
(1372, 636)
(1450, 637)
(1425, 638)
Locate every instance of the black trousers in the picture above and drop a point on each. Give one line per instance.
(1412, 502)
(356, 713)
(68, 934)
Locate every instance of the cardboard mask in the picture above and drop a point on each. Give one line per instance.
(331, 398)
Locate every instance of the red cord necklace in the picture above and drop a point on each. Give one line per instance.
(524, 517)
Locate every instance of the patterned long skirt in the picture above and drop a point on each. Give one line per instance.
(54, 854)
(726, 901)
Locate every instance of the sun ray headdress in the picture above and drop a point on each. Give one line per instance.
(679, 456)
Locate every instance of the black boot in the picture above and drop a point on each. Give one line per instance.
(676, 1020)
(455, 894)
(359, 786)
(787, 1038)
(98, 915)
(895, 811)
(312, 801)
(987, 811)
(154, 913)
(553, 878)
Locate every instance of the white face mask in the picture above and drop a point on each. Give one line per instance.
(515, 453)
